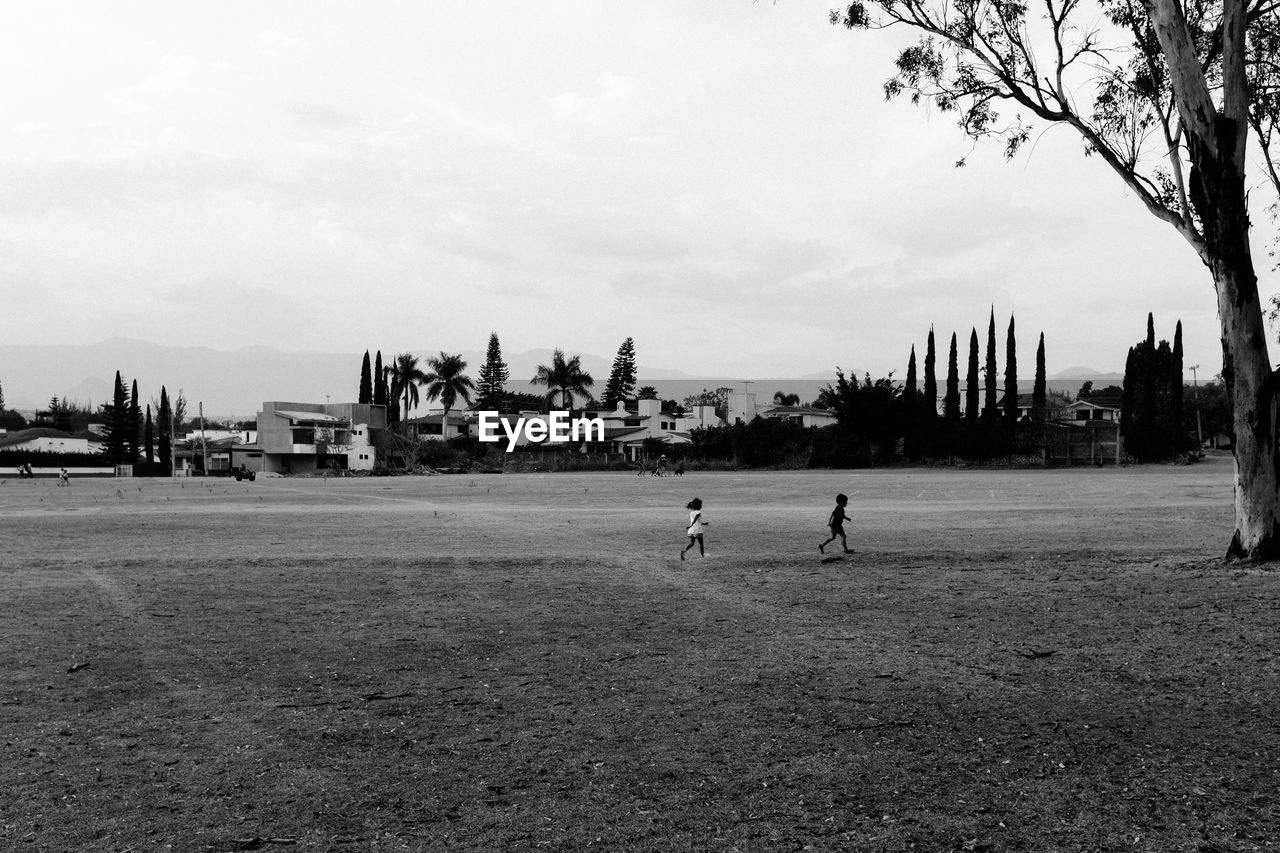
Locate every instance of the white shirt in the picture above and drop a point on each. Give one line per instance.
(695, 522)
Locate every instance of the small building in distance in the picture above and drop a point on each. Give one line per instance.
(1091, 410)
(803, 415)
(434, 427)
(49, 440)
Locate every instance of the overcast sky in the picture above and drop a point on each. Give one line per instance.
(721, 181)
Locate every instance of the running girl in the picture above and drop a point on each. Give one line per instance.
(696, 524)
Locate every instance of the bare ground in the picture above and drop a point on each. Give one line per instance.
(1021, 660)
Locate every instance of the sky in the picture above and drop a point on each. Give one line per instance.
(722, 181)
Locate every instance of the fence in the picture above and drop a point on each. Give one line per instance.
(555, 461)
(1084, 443)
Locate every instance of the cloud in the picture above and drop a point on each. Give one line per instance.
(114, 182)
(23, 292)
(321, 117)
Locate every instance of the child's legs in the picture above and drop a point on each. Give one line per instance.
(701, 550)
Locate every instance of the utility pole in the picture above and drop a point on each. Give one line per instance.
(1195, 383)
(173, 437)
(204, 462)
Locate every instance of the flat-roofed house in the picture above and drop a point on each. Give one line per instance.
(434, 427)
(305, 438)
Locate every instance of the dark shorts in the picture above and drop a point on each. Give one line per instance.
(837, 530)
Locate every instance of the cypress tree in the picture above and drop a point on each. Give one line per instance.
(491, 387)
(1039, 401)
(115, 423)
(971, 378)
(622, 377)
(379, 382)
(1175, 392)
(911, 372)
(989, 371)
(1146, 413)
(1151, 409)
(148, 442)
(930, 378)
(133, 436)
(1166, 429)
(951, 404)
(1010, 377)
(166, 430)
(1, 398)
(366, 381)
(1128, 396)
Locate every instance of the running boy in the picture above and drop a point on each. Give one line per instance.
(836, 523)
(696, 524)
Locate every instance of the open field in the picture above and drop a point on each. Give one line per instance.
(1013, 660)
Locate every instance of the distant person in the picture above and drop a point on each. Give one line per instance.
(836, 523)
(679, 472)
(660, 468)
(696, 526)
(64, 479)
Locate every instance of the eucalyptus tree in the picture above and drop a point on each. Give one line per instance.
(1169, 96)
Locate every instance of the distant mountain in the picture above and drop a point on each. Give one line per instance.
(235, 384)
(764, 389)
(1083, 373)
(230, 384)
(523, 365)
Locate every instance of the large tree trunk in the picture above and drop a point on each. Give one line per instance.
(1251, 390)
(1217, 190)
(1216, 140)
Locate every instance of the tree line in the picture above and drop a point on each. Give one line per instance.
(402, 384)
(134, 432)
(988, 422)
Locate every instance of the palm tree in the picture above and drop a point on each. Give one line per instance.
(782, 398)
(563, 377)
(447, 382)
(405, 377)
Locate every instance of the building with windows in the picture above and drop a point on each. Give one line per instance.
(307, 438)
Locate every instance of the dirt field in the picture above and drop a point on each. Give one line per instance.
(1021, 660)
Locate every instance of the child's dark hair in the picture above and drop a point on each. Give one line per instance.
(696, 503)
(842, 499)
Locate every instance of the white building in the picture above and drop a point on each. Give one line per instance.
(46, 440)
